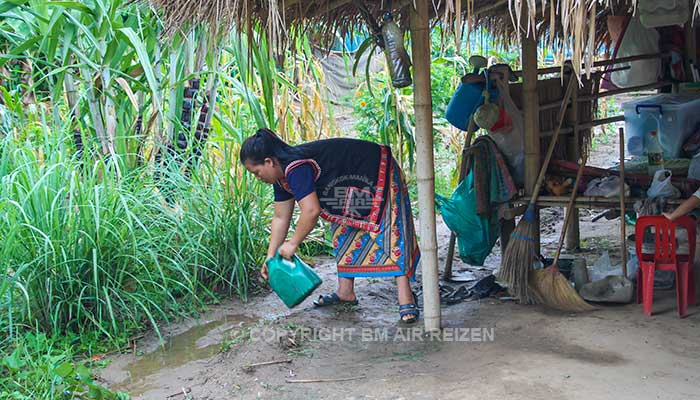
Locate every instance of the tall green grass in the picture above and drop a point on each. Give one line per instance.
(82, 250)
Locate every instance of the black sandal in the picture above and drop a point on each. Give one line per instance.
(409, 309)
(332, 299)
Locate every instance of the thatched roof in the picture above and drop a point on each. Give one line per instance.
(564, 22)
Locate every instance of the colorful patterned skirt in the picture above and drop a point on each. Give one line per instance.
(392, 251)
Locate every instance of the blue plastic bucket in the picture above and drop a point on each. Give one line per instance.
(466, 99)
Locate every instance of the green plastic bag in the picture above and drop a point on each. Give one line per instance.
(476, 235)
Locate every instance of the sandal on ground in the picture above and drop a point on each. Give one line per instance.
(411, 310)
(331, 299)
(460, 294)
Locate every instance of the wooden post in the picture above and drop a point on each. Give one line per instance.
(425, 169)
(623, 233)
(531, 117)
(573, 153)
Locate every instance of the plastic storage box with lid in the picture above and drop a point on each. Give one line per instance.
(674, 116)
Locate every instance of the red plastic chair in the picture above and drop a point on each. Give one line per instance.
(665, 259)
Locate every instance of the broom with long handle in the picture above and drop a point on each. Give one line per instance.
(520, 252)
(548, 286)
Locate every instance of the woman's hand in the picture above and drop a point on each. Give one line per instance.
(287, 250)
(263, 271)
(670, 216)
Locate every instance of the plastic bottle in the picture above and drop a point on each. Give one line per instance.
(396, 57)
(655, 154)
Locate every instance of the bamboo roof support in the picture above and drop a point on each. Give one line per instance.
(425, 170)
(531, 117)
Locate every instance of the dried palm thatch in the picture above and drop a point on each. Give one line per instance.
(574, 25)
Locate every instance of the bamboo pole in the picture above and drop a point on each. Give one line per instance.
(570, 207)
(573, 233)
(622, 202)
(531, 118)
(420, 45)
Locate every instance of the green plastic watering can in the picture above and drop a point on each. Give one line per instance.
(292, 280)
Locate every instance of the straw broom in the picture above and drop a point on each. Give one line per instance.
(548, 286)
(520, 252)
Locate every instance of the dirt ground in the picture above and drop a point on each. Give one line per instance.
(489, 349)
(493, 350)
(532, 354)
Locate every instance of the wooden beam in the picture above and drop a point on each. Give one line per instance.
(586, 125)
(602, 63)
(425, 168)
(650, 86)
(531, 118)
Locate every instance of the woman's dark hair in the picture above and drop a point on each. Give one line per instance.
(264, 144)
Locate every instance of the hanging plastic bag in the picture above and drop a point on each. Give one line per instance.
(616, 24)
(661, 186)
(637, 40)
(511, 142)
(476, 235)
(504, 123)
